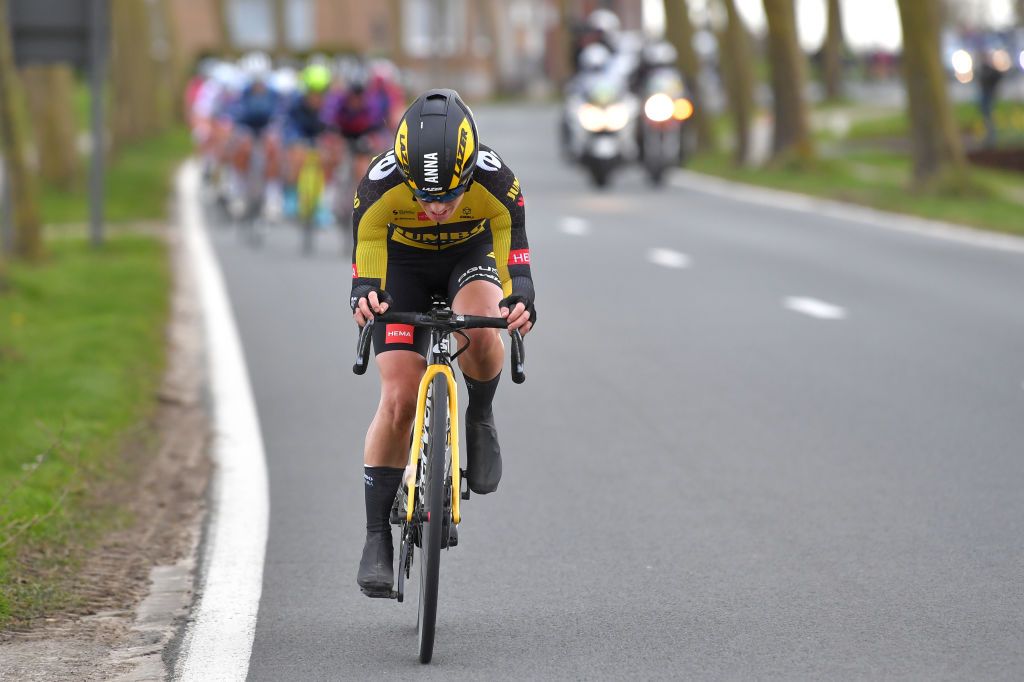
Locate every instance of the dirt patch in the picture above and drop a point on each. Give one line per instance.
(106, 635)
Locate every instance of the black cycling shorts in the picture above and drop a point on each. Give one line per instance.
(415, 274)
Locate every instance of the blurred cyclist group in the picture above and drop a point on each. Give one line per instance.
(346, 109)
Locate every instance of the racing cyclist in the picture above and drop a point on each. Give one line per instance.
(360, 113)
(303, 127)
(439, 213)
(253, 114)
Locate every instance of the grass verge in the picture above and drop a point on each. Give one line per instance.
(137, 184)
(81, 355)
(879, 179)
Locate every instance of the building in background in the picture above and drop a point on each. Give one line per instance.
(480, 47)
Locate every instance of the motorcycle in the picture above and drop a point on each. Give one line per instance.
(599, 127)
(662, 133)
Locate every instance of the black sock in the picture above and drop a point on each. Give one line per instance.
(380, 486)
(481, 394)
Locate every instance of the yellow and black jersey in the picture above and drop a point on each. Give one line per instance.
(388, 223)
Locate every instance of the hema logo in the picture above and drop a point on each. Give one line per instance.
(398, 333)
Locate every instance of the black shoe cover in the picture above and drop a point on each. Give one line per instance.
(484, 455)
(376, 568)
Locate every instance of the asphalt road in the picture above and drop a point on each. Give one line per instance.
(706, 476)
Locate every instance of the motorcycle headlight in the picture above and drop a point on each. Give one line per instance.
(682, 109)
(659, 107)
(591, 118)
(616, 117)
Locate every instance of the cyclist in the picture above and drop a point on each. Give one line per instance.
(360, 114)
(253, 114)
(303, 128)
(440, 212)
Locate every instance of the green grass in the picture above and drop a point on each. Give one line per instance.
(81, 355)
(990, 200)
(1009, 119)
(137, 183)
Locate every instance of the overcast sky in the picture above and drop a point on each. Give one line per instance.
(867, 23)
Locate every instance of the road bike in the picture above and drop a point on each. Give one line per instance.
(427, 507)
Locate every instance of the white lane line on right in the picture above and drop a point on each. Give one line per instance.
(577, 227)
(218, 642)
(814, 308)
(668, 258)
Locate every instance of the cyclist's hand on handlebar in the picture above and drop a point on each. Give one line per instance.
(520, 313)
(376, 301)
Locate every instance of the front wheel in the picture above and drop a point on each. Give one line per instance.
(433, 502)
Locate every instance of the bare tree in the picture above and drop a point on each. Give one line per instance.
(280, 28)
(220, 8)
(50, 91)
(736, 59)
(937, 149)
(28, 241)
(135, 88)
(832, 53)
(792, 134)
(679, 31)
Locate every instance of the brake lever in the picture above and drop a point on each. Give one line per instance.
(363, 348)
(518, 357)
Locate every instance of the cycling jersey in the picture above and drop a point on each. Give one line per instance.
(256, 109)
(302, 122)
(357, 115)
(398, 249)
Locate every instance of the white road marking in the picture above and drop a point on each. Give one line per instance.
(577, 227)
(814, 308)
(860, 215)
(218, 642)
(668, 258)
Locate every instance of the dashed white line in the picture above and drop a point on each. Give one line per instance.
(218, 642)
(814, 308)
(577, 227)
(668, 258)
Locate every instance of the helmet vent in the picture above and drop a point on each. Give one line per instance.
(435, 105)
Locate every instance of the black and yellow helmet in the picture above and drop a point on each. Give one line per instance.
(436, 144)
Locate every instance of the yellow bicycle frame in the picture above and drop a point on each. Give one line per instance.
(310, 183)
(453, 415)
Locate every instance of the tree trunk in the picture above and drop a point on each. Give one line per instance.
(737, 68)
(679, 31)
(832, 53)
(50, 94)
(792, 134)
(135, 91)
(280, 28)
(936, 147)
(224, 23)
(397, 38)
(28, 241)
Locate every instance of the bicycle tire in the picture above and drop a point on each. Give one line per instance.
(433, 503)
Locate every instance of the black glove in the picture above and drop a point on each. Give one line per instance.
(364, 291)
(510, 303)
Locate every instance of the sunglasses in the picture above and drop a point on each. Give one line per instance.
(429, 198)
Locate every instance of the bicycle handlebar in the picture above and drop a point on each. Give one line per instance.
(447, 321)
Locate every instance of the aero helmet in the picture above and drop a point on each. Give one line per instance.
(436, 144)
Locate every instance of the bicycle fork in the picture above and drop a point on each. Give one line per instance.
(453, 416)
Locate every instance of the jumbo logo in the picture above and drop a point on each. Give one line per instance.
(464, 150)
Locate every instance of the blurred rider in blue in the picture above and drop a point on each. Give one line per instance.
(252, 115)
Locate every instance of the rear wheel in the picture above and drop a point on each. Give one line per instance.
(433, 503)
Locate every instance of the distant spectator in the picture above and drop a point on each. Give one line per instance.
(994, 64)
